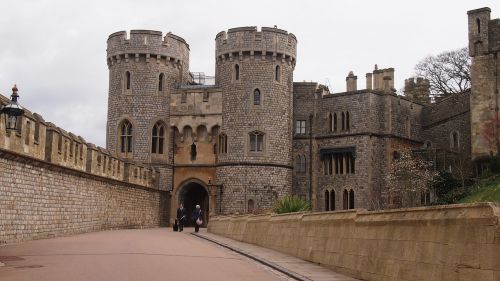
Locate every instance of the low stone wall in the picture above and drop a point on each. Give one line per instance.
(39, 199)
(456, 242)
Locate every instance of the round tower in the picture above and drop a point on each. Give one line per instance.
(143, 70)
(255, 72)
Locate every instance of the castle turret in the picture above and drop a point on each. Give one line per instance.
(417, 90)
(255, 71)
(484, 44)
(143, 70)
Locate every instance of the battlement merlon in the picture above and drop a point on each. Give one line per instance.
(248, 40)
(147, 42)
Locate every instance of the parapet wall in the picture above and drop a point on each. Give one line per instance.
(149, 42)
(455, 242)
(247, 39)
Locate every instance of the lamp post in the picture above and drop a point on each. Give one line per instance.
(12, 112)
(220, 187)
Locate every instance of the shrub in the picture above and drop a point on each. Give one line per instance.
(291, 204)
(448, 189)
(495, 164)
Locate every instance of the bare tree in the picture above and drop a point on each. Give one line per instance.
(448, 73)
(409, 177)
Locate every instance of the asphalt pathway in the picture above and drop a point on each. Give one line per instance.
(128, 255)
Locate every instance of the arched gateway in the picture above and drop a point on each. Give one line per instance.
(192, 193)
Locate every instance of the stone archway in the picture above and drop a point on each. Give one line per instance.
(191, 194)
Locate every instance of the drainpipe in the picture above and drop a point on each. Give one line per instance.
(495, 72)
(310, 158)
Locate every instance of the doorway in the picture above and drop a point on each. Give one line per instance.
(192, 194)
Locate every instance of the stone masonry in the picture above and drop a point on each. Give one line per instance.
(332, 148)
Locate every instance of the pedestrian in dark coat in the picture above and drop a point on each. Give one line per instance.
(181, 216)
(197, 217)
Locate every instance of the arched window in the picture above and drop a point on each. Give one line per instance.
(327, 200)
(343, 121)
(158, 138)
(256, 97)
(160, 82)
(127, 80)
(126, 137)
(351, 199)
(277, 73)
(250, 205)
(332, 200)
(236, 72)
(330, 122)
(345, 199)
(347, 125)
(478, 24)
(335, 122)
(256, 141)
(222, 143)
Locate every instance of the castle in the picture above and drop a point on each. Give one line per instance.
(258, 135)
(254, 135)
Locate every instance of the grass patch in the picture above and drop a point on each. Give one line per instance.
(486, 190)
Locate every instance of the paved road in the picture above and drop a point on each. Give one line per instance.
(127, 255)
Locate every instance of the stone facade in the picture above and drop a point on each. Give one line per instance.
(258, 135)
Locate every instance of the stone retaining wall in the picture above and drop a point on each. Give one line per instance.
(39, 199)
(456, 242)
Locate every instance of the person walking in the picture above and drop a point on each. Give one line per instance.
(197, 217)
(181, 216)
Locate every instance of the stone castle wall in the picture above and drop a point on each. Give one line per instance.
(43, 200)
(456, 242)
(53, 183)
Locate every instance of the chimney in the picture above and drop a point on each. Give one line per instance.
(352, 82)
(368, 81)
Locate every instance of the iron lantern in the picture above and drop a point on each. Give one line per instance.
(12, 111)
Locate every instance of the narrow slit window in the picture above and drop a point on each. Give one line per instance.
(236, 72)
(160, 82)
(277, 74)
(127, 80)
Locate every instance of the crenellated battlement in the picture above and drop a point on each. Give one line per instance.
(248, 41)
(150, 45)
(47, 142)
(417, 89)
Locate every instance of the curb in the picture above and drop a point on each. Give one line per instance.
(258, 259)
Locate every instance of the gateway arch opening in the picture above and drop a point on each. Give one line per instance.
(192, 194)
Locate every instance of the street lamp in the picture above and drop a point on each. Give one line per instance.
(220, 187)
(12, 112)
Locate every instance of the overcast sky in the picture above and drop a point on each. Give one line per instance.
(56, 50)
